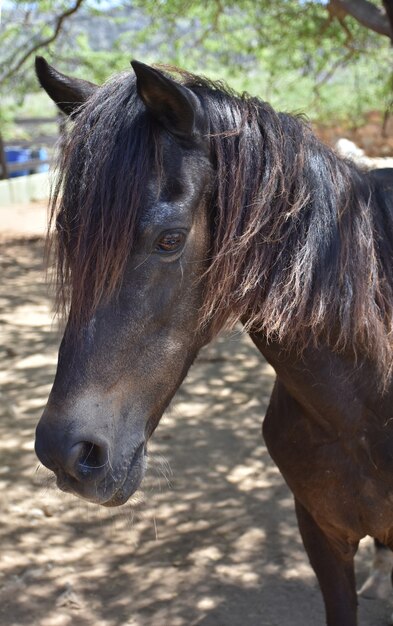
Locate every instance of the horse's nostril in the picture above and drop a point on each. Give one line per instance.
(87, 458)
(91, 456)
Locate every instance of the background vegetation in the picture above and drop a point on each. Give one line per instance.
(332, 60)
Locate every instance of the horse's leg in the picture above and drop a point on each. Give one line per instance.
(379, 582)
(334, 569)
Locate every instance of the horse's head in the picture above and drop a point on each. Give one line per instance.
(133, 240)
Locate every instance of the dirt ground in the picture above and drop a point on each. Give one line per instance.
(211, 540)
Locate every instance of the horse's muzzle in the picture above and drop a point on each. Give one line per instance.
(83, 466)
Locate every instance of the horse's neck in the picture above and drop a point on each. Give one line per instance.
(328, 386)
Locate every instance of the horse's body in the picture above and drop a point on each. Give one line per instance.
(207, 209)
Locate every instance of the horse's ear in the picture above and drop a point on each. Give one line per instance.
(176, 107)
(67, 92)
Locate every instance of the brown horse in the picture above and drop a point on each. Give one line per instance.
(180, 209)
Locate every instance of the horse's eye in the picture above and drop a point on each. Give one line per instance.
(170, 242)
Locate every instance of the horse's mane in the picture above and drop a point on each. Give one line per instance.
(299, 251)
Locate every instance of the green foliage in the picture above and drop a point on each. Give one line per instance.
(289, 52)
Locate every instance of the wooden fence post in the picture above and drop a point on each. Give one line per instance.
(3, 162)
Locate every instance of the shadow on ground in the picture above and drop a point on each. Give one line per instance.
(210, 541)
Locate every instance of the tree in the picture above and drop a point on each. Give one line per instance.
(17, 58)
(279, 48)
(282, 49)
(28, 28)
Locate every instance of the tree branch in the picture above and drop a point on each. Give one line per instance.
(388, 4)
(364, 12)
(43, 42)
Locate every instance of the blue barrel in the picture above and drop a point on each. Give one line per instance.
(17, 155)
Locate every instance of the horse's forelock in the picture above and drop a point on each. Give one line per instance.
(103, 170)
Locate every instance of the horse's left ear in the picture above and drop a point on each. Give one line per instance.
(176, 107)
(67, 92)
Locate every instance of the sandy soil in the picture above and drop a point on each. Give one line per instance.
(211, 540)
(22, 221)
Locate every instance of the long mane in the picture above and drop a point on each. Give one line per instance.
(299, 248)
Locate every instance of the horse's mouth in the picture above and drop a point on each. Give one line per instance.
(133, 479)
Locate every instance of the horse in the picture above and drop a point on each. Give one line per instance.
(181, 208)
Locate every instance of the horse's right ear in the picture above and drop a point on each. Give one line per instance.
(67, 92)
(175, 106)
